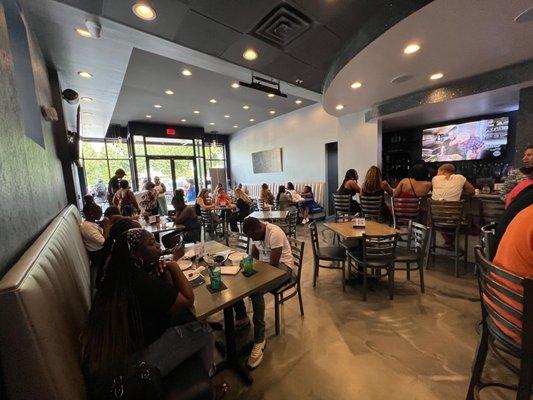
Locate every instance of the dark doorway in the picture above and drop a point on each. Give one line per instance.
(332, 174)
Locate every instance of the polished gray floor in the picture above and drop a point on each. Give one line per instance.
(418, 346)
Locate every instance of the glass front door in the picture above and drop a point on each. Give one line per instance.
(174, 173)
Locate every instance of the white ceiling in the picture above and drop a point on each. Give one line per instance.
(107, 58)
(458, 38)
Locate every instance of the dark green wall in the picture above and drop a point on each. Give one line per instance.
(32, 189)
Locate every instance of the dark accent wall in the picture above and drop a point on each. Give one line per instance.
(32, 186)
(524, 128)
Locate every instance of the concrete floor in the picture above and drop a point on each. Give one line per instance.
(418, 346)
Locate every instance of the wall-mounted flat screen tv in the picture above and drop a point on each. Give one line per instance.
(477, 140)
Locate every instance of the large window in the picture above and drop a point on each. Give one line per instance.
(215, 157)
(101, 158)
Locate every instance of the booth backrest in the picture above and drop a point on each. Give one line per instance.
(318, 188)
(44, 302)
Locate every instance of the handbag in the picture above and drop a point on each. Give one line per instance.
(138, 381)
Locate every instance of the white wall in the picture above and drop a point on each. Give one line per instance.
(302, 135)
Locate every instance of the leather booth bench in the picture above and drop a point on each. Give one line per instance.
(44, 302)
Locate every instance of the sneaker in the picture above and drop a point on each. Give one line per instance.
(242, 323)
(256, 356)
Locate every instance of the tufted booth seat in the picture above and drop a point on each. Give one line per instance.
(318, 188)
(44, 303)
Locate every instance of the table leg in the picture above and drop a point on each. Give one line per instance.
(225, 228)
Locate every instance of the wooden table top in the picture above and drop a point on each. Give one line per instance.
(267, 214)
(238, 286)
(158, 228)
(346, 229)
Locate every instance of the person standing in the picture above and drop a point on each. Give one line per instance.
(517, 175)
(161, 199)
(114, 185)
(99, 191)
(125, 199)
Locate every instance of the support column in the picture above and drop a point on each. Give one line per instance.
(524, 126)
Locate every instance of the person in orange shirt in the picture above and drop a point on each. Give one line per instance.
(515, 255)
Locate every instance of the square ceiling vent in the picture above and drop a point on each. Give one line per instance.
(282, 25)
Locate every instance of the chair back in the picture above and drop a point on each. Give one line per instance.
(292, 219)
(418, 238)
(379, 248)
(206, 217)
(491, 210)
(254, 206)
(405, 210)
(275, 206)
(341, 204)
(506, 305)
(445, 213)
(487, 239)
(243, 243)
(314, 238)
(371, 206)
(297, 249)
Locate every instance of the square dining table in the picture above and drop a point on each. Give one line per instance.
(269, 215)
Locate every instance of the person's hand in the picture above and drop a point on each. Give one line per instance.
(163, 265)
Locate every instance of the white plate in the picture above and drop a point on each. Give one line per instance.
(185, 264)
(192, 275)
(236, 257)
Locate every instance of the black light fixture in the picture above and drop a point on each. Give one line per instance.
(264, 85)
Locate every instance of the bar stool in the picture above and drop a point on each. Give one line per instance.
(405, 210)
(491, 210)
(447, 217)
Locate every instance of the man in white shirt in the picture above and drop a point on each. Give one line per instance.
(270, 244)
(448, 185)
(91, 233)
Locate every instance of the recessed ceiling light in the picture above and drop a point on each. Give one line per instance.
(272, 112)
(436, 76)
(226, 116)
(211, 123)
(252, 120)
(196, 112)
(401, 78)
(157, 105)
(235, 85)
(235, 126)
(411, 48)
(85, 74)
(88, 114)
(183, 120)
(298, 81)
(148, 116)
(339, 107)
(83, 32)
(144, 10)
(298, 101)
(213, 101)
(245, 107)
(250, 54)
(87, 99)
(186, 72)
(169, 92)
(356, 85)
(270, 95)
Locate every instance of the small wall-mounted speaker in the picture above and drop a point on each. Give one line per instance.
(49, 113)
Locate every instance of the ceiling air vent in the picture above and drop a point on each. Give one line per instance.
(282, 25)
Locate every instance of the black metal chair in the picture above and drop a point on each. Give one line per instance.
(491, 210)
(291, 288)
(405, 210)
(289, 225)
(487, 240)
(507, 327)
(416, 251)
(336, 254)
(341, 204)
(242, 243)
(447, 217)
(378, 254)
(371, 207)
(209, 225)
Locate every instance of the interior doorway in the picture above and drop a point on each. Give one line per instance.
(332, 174)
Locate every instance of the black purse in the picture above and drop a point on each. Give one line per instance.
(139, 381)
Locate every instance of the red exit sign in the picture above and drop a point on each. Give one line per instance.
(171, 131)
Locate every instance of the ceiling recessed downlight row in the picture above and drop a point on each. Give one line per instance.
(144, 10)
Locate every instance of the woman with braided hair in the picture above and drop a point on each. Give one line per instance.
(140, 316)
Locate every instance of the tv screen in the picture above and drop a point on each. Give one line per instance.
(477, 140)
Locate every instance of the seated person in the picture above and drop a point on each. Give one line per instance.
(243, 209)
(349, 187)
(284, 199)
(527, 181)
(270, 244)
(223, 199)
(375, 186)
(125, 198)
(136, 314)
(515, 254)
(308, 203)
(516, 176)
(185, 215)
(266, 195)
(295, 196)
(448, 185)
(204, 202)
(91, 233)
(415, 185)
(150, 198)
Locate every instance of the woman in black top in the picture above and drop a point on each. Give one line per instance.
(243, 209)
(350, 187)
(185, 215)
(140, 316)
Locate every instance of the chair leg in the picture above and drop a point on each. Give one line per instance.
(408, 269)
(343, 276)
(525, 378)
(466, 249)
(315, 273)
(479, 363)
(364, 283)
(421, 273)
(456, 253)
(276, 313)
(301, 301)
(431, 233)
(390, 270)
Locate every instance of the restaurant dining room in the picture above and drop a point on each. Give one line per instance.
(266, 199)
